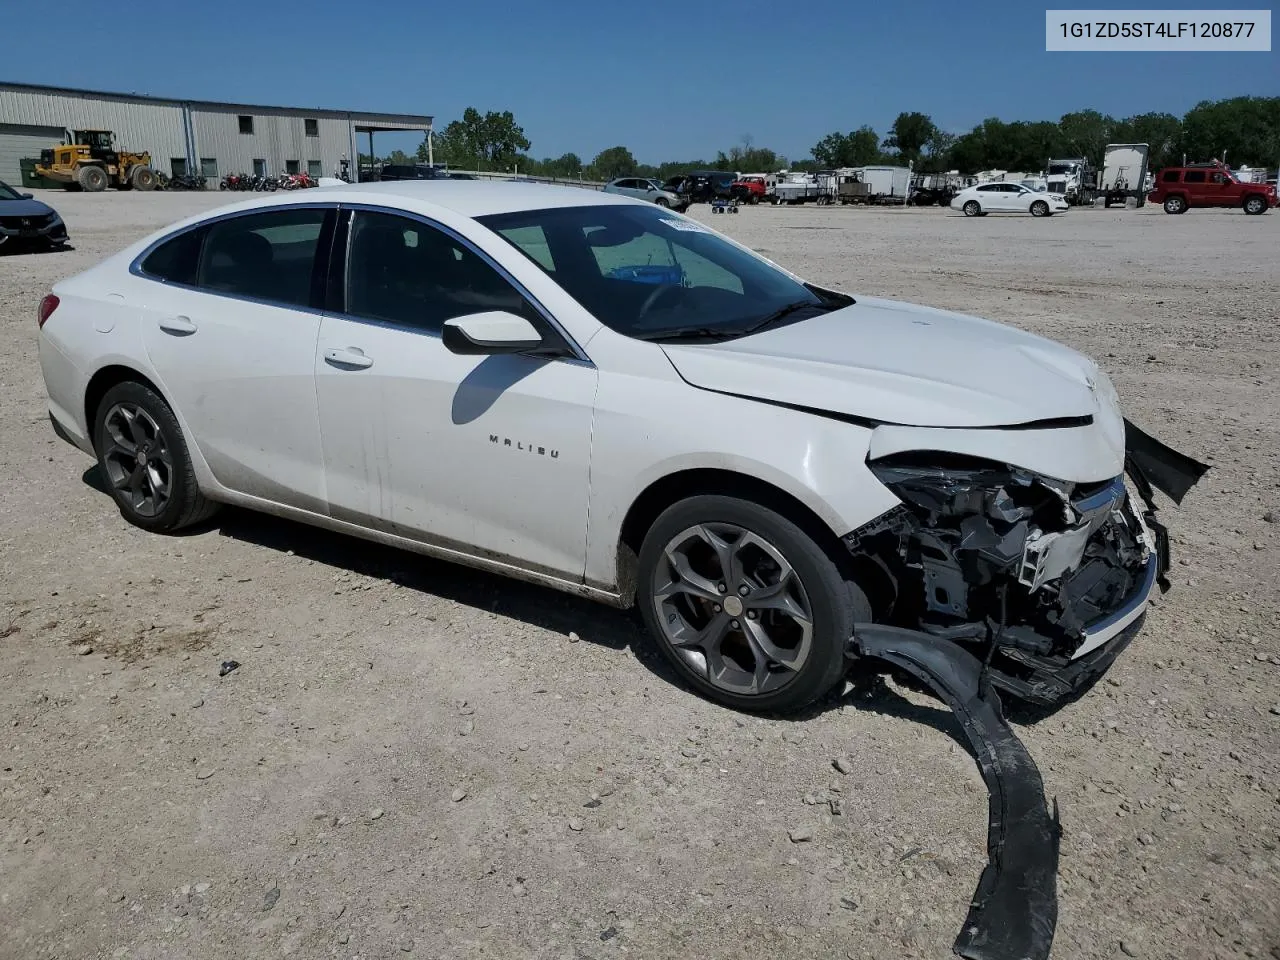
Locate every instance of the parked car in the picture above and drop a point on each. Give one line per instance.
(749, 189)
(415, 171)
(702, 186)
(1210, 185)
(26, 222)
(1005, 197)
(589, 392)
(642, 188)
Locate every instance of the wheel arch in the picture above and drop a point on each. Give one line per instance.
(702, 481)
(108, 377)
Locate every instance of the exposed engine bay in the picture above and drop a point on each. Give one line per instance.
(1019, 568)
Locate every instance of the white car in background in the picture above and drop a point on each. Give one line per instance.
(1005, 197)
(606, 397)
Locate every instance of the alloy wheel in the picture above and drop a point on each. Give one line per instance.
(138, 460)
(733, 608)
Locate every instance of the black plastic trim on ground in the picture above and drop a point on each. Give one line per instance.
(1015, 908)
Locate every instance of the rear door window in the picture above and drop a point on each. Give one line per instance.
(267, 256)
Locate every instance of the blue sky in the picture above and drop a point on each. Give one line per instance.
(669, 80)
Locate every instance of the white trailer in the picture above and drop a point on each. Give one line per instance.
(887, 184)
(1124, 173)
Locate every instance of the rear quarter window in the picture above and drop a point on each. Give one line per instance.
(176, 260)
(1170, 176)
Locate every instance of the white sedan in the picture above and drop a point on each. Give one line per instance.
(1002, 197)
(606, 397)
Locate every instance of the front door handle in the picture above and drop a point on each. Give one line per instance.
(351, 358)
(180, 326)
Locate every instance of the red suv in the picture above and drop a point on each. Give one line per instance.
(1209, 185)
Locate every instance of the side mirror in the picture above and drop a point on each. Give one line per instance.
(26, 196)
(650, 188)
(492, 332)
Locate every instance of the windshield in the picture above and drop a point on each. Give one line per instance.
(1062, 168)
(7, 192)
(653, 275)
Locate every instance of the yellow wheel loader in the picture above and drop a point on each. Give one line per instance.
(90, 162)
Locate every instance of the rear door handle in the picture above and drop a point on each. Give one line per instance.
(181, 326)
(351, 358)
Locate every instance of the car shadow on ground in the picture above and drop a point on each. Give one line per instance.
(867, 689)
(15, 249)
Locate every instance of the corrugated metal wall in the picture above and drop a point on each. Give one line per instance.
(276, 138)
(279, 135)
(139, 125)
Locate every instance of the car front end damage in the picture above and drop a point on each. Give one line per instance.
(1044, 581)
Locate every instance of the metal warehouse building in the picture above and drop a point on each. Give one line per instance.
(190, 136)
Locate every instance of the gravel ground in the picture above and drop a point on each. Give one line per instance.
(415, 758)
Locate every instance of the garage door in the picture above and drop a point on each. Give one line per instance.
(18, 141)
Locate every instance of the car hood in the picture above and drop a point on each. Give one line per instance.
(896, 363)
(24, 208)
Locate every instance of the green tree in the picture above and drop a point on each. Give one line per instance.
(909, 135)
(611, 163)
(1246, 129)
(567, 166)
(856, 149)
(489, 141)
(937, 155)
(1085, 133)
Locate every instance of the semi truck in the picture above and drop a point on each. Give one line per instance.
(1072, 178)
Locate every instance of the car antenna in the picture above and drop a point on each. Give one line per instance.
(998, 635)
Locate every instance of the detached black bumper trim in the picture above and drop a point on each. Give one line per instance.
(1053, 681)
(1014, 911)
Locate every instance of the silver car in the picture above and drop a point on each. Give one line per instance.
(644, 189)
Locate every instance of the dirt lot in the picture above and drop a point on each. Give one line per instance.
(414, 758)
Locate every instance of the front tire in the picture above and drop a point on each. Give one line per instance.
(144, 460)
(774, 638)
(1175, 205)
(1039, 209)
(972, 209)
(662, 202)
(1255, 206)
(92, 179)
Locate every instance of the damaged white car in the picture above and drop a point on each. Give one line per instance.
(602, 396)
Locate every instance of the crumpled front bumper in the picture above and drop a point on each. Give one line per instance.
(1049, 680)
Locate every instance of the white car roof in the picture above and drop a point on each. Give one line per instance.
(470, 198)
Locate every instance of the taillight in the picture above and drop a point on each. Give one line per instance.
(47, 306)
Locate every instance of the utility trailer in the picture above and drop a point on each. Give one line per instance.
(1124, 174)
(797, 188)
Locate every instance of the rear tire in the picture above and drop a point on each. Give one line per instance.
(1175, 205)
(144, 460)
(1255, 206)
(786, 656)
(972, 209)
(92, 179)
